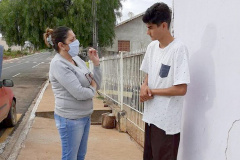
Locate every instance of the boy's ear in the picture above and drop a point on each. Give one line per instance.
(165, 25)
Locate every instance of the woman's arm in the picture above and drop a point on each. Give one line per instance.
(93, 56)
(70, 82)
(97, 75)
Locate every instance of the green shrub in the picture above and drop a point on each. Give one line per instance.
(13, 54)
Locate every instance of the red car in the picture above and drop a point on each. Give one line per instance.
(8, 115)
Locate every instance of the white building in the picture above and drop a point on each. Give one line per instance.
(211, 120)
(131, 35)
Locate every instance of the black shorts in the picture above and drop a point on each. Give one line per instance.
(158, 145)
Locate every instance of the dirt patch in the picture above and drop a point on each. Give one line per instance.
(6, 58)
(9, 57)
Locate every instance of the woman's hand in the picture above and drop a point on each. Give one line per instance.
(94, 84)
(93, 56)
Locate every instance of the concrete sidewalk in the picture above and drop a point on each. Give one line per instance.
(43, 141)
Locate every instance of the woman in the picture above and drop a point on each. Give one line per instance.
(73, 87)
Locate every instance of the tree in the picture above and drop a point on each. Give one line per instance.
(23, 20)
(79, 19)
(106, 20)
(40, 14)
(11, 21)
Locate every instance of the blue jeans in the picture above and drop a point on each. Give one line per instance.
(74, 136)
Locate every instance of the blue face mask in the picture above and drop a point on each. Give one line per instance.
(74, 48)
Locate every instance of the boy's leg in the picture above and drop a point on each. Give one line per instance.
(147, 155)
(164, 147)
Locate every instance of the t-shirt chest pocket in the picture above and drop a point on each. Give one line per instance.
(164, 70)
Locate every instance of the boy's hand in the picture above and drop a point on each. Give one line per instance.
(145, 93)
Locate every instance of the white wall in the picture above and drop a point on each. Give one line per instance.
(4, 44)
(211, 125)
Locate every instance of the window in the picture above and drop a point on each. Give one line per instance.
(124, 46)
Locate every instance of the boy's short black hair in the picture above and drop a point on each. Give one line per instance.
(157, 14)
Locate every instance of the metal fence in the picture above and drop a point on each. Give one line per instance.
(122, 81)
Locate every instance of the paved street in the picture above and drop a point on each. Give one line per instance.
(28, 74)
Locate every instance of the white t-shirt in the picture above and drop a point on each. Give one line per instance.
(165, 67)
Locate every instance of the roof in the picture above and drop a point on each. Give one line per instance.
(130, 19)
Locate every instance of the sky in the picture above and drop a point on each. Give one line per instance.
(138, 6)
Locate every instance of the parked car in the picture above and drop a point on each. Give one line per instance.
(8, 114)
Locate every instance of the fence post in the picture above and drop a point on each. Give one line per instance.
(121, 79)
(104, 76)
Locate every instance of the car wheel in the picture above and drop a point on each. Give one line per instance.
(11, 119)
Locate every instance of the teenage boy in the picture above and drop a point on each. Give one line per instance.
(167, 75)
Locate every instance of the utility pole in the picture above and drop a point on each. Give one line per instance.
(95, 30)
